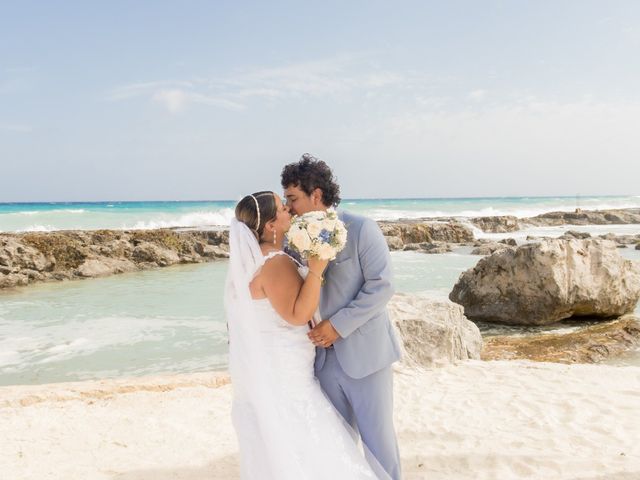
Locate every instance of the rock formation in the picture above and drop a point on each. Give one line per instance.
(428, 247)
(433, 332)
(497, 224)
(586, 345)
(44, 256)
(490, 248)
(401, 234)
(508, 223)
(546, 282)
(586, 217)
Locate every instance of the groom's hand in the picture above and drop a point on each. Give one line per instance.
(323, 334)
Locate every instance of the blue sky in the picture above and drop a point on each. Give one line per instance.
(208, 100)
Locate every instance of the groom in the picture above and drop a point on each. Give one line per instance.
(356, 344)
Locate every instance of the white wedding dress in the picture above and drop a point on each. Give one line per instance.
(286, 427)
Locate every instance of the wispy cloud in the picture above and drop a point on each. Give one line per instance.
(326, 77)
(15, 128)
(478, 95)
(176, 100)
(528, 128)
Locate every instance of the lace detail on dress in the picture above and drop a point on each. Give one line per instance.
(275, 253)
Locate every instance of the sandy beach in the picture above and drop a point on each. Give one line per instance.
(475, 420)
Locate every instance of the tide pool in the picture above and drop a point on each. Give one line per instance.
(161, 321)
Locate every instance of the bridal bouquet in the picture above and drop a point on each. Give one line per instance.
(317, 234)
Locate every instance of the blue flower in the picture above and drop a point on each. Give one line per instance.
(325, 235)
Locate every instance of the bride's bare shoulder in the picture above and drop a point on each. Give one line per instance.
(277, 260)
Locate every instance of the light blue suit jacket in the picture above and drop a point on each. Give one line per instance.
(358, 285)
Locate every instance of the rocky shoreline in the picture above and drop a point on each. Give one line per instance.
(506, 223)
(539, 281)
(27, 258)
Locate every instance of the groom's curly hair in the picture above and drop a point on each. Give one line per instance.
(310, 173)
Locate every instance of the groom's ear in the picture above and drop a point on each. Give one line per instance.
(316, 197)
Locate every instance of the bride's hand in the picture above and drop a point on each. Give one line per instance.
(317, 266)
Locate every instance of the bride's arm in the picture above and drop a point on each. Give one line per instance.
(294, 299)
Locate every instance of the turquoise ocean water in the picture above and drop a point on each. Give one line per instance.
(171, 320)
(120, 215)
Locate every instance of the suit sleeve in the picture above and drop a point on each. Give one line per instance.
(377, 288)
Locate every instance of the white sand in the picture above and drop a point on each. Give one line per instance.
(477, 420)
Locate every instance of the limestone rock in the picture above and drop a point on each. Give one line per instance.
(497, 224)
(546, 282)
(67, 248)
(489, 248)
(101, 267)
(434, 247)
(19, 255)
(13, 280)
(433, 332)
(62, 255)
(147, 252)
(587, 345)
(215, 251)
(94, 268)
(586, 217)
(421, 232)
(394, 243)
(450, 232)
(574, 234)
(621, 239)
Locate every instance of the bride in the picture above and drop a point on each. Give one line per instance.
(286, 427)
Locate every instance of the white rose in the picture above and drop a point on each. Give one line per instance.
(326, 252)
(299, 239)
(314, 228)
(329, 224)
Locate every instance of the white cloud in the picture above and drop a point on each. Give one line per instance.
(478, 95)
(174, 100)
(144, 88)
(547, 133)
(15, 128)
(327, 77)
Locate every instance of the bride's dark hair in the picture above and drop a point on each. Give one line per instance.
(246, 211)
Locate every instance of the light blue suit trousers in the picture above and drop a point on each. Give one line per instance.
(356, 373)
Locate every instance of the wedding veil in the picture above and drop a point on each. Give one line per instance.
(257, 406)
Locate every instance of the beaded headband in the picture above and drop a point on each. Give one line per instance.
(257, 211)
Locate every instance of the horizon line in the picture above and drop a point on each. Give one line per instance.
(71, 202)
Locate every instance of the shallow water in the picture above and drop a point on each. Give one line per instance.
(167, 320)
(142, 323)
(161, 321)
